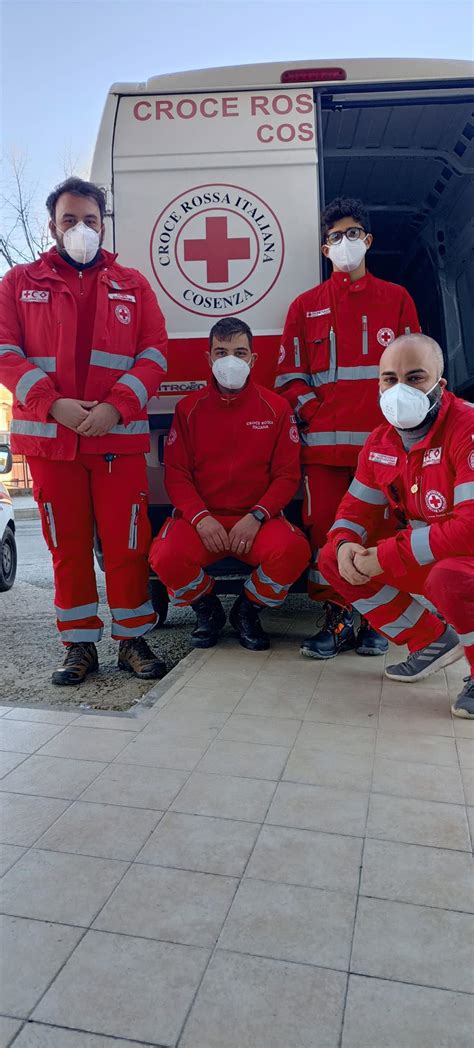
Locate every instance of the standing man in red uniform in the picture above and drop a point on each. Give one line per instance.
(328, 371)
(231, 465)
(82, 348)
(420, 463)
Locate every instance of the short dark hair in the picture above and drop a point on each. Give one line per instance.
(77, 187)
(227, 328)
(343, 207)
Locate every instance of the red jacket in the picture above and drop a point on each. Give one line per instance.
(38, 322)
(226, 457)
(431, 488)
(333, 339)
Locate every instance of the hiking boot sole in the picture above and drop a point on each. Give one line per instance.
(444, 660)
(370, 651)
(157, 674)
(316, 655)
(253, 645)
(204, 642)
(62, 683)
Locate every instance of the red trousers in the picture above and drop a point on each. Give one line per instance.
(72, 497)
(324, 487)
(279, 555)
(396, 607)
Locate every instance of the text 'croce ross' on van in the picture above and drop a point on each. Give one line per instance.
(215, 180)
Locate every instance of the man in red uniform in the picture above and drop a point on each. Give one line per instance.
(420, 463)
(328, 369)
(231, 465)
(82, 348)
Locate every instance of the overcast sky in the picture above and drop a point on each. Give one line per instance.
(60, 58)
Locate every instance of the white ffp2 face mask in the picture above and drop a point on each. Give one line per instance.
(405, 407)
(231, 372)
(81, 243)
(347, 255)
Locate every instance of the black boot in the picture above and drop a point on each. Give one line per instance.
(80, 659)
(210, 618)
(369, 641)
(244, 617)
(336, 635)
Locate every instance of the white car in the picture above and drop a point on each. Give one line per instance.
(8, 556)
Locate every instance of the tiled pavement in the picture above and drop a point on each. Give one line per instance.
(205, 872)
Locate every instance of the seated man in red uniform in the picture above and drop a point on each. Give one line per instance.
(420, 462)
(333, 339)
(231, 465)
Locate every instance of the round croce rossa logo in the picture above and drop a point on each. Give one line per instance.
(435, 501)
(217, 249)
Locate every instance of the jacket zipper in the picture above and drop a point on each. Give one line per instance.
(308, 495)
(81, 285)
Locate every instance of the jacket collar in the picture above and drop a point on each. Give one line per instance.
(342, 282)
(447, 401)
(111, 272)
(237, 399)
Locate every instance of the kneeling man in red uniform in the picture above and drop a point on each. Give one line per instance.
(420, 463)
(231, 465)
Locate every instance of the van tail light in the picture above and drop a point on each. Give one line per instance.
(316, 73)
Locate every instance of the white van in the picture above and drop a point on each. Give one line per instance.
(215, 180)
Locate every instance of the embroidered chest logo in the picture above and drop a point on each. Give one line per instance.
(432, 456)
(260, 424)
(294, 435)
(123, 314)
(34, 296)
(319, 313)
(281, 355)
(471, 459)
(385, 336)
(386, 460)
(435, 501)
(171, 437)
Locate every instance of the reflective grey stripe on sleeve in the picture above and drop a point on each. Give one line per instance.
(384, 596)
(267, 581)
(27, 381)
(305, 397)
(115, 285)
(133, 427)
(466, 638)
(33, 429)
(77, 636)
(81, 611)
(463, 493)
(349, 525)
(417, 524)
(153, 354)
(420, 545)
(330, 439)
(366, 494)
(115, 361)
(6, 348)
(405, 621)
(292, 377)
(316, 577)
(45, 363)
(132, 613)
(136, 386)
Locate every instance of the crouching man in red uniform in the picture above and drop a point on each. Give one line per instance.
(231, 465)
(82, 348)
(421, 464)
(328, 369)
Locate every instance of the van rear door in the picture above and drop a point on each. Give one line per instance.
(216, 201)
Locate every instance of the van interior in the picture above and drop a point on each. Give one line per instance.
(412, 164)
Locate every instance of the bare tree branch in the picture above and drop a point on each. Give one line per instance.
(25, 235)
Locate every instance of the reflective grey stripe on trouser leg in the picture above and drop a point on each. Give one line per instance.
(82, 636)
(80, 611)
(119, 615)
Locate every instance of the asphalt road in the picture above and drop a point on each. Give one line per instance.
(30, 648)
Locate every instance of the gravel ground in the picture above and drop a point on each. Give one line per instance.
(31, 649)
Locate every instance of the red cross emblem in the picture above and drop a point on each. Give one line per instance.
(435, 501)
(123, 314)
(385, 336)
(216, 250)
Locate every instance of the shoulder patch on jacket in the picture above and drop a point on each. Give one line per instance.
(386, 460)
(319, 312)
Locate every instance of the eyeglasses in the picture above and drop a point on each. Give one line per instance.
(353, 233)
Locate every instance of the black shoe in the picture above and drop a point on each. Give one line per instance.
(80, 659)
(210, 618)
(336, 635)
(244, 617)
(136, 656)
(369, 642)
